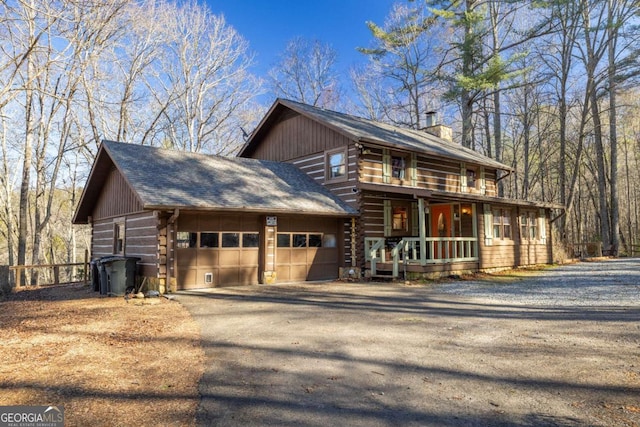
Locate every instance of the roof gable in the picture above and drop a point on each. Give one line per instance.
(168, 179)
(364, 130)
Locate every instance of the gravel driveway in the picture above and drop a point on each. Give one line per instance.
(614, 282)
(558, 349)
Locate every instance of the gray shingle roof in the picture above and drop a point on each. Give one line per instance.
(168, 178)
(360, 129)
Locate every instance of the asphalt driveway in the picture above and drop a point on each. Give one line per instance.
(540, 351)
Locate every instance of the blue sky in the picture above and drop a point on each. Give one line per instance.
(269, 24)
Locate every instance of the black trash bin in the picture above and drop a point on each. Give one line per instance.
(120, 273)
(95, 275)
(103, 279)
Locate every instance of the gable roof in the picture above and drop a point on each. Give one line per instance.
(169, 179)
(363, 130)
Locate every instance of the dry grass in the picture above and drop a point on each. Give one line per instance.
(105, 360)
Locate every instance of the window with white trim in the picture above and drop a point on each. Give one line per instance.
(528, 226)
(501, 224)
(336, 165)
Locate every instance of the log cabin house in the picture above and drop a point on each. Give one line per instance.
(313, 195)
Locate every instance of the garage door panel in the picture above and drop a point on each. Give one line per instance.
(249, 275)
(284, 256)
(228, 276)
(324, 255)
(250, 257)
(229, 257)
(283, 273)
(208, 258)
(187, 278)
(298, 256)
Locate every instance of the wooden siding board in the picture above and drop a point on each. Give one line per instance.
(116, 198)
(297, 137)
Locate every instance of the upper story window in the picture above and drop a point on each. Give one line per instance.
(502, 224)
(471, 178)
(398, 167)
(336, 164)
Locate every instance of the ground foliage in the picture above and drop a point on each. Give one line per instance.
(107, 361)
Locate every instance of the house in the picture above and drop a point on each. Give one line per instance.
(313, 194)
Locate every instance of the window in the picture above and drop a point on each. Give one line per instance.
(399, 219)
(209, 240)
(315, 240)
(250, 240)
(471, 178)
(336, 162)
(284, 240)
(230, 240)
(329, 241)
(311, 240)
(186, 239)
(299, 240)
(118, 238)
(398, 167)
(528, 226)
(501, 224)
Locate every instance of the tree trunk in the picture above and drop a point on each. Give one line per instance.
(614, 239)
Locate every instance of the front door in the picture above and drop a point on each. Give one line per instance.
(441, 226)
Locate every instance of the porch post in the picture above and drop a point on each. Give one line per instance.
(423, 232)
(474, 223)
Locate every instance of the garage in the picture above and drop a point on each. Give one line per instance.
(307, 250)
(217, 250)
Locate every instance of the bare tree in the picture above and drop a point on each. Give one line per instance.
(306, 72)
(207, 77)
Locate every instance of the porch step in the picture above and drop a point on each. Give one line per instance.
(383, 276)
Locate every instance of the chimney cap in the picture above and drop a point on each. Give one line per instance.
(431, 118)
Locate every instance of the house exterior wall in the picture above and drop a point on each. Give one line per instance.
(497, 253)
(116, 198)
(314, 165)
(140, 240)
(295, 136)
(117, 204)
(431, 173)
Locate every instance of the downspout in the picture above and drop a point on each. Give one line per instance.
(353, 242)
(509, 172)
(170, 251)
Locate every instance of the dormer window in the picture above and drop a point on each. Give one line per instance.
(336, 165)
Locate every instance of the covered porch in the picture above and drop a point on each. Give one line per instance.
(447, 243)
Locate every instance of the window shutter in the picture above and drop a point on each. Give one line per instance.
(387, 217)
(483, 182)
(415, 219)
(413, 170)
(542, 227)
(463, 178)
(386, 166)
(488, 225)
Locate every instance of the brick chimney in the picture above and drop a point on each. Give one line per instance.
(439, 130)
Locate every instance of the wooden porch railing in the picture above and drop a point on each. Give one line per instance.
(438, 250)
